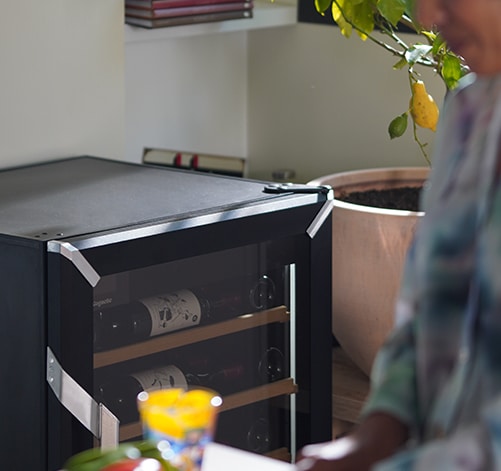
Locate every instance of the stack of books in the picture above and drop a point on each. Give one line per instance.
(210, 163)
(161, 13)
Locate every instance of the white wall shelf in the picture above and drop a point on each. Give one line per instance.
(267, 14)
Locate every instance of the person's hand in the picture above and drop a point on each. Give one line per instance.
(377, 437)
(338, 455)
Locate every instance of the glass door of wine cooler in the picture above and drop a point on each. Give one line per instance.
(221, 321)
(193, 307)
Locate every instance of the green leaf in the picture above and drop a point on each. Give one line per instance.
(391, 10)
(432, 37)
(410, 8)
(398, 126)
(339, 16)
(451, 70)
(400, 64)
(353, 13)
(322, 5)
(438, 44)
(364, 18)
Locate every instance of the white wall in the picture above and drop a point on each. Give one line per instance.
(187, 94)
(62, 80)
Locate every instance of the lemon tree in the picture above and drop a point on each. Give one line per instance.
(389, 18)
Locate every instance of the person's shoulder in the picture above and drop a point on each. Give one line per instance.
(464, 84)
(469, 89)
(468, 81)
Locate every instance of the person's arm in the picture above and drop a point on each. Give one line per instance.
(391, 405)
(383, 430)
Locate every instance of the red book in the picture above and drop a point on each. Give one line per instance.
(184, 11)
(160, 4)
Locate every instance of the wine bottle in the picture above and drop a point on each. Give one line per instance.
(236, 371)
(254, 428)
(157, 315)
(271, 365)
(263, 295)
(119, 393)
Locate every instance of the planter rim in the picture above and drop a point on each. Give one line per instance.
(367, 174)
(373, 210)
(372, 174)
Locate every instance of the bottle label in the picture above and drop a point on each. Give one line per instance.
(161, 378)
(173, 311)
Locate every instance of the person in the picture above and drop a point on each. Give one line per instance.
(435, 400)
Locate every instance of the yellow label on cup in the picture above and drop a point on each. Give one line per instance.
(177, 413)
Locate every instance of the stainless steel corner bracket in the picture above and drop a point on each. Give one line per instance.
(305, 188)
(320, 218)
(74, 255)
(99, 420)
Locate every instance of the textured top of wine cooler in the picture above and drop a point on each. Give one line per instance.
(85, 195)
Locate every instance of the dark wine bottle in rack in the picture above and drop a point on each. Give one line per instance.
(237, 371)
(256, 428)
(119, 393)
(184, 308)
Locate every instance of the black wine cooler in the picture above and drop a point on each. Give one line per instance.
(117, 278)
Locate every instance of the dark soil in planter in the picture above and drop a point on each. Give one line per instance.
(405, 198)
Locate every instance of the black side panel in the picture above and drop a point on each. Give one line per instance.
(69, 320)
(320, 425)
(314, 351)
(22, 356)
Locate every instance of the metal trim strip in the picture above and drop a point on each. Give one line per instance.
(75, 256)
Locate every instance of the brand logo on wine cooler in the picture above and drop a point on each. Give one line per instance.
(102, 302)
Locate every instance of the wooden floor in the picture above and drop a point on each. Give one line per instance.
(350, 387)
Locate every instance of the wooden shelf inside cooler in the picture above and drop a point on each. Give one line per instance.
(259, 393)
(266, 391)
(190, 336)
(282, 454)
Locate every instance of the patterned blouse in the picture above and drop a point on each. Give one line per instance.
(440, 370)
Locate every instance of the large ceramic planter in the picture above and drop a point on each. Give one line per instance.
(368, 251)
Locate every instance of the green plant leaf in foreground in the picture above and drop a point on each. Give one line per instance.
(322, 5)
(410, 8)
(357, 13)
(451, 70)
(392, 10)
(95, 459)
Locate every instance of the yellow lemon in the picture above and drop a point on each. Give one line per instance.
(424, 110)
